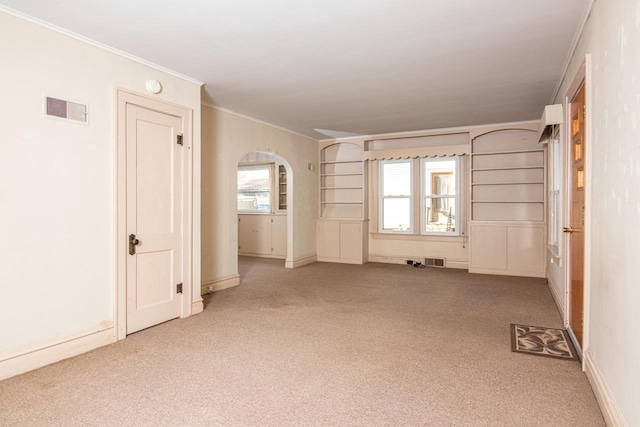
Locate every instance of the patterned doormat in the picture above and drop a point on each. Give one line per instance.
(541, 341)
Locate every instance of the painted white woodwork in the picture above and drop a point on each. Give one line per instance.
(281, 186)
(342, 235)
(488, 247)
(262, 235)
(154, 217)
(507, 204)
(343, 241)
(342, 183)
(551, 115)
(512, 249)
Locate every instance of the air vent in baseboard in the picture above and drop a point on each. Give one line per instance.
(434, 262)
(63, 109)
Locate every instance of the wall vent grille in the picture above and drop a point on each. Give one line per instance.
(68, 110)
(434, 262)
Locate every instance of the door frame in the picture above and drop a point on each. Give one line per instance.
(583, 74)
(122, 98)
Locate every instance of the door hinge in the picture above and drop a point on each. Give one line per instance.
(584, 111)
(179, 139)
(179, 288)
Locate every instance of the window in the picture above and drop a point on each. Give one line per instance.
(439, 189)
(254, 188)
(436, 204)
(555, 172)
(396, 196)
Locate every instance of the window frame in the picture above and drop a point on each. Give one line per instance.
(555, 188)
(410, 230)
(423, 195)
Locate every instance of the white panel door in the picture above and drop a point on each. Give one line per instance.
(154, 217)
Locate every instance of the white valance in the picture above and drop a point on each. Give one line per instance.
(456, 144)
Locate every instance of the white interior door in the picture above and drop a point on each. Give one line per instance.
(154, 217)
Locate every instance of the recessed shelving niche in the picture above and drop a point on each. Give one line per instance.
(342, 181)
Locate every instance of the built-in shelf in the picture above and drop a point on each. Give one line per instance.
(507, 204)
(339, 162)
(341, 188)
(282, 188)
(341, 203)
(505, 168)
(507, 201)
(507, 183)
(341, 181)
(491, 153)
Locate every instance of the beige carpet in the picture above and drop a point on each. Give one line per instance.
(325, 344)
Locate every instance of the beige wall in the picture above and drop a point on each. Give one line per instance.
(226, 138)
(612, 37)
(57, 200)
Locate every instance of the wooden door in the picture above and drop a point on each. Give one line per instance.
(576, 215)
(154, 219)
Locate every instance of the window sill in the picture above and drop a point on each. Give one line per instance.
(419, 237)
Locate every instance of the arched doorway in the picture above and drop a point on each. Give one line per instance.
(265, 206)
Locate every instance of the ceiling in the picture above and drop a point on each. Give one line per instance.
(345, 66)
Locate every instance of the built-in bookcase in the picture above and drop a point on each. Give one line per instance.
(342, 181)
(507, 178)
(507, 204)
(342, 229)
(282, 188)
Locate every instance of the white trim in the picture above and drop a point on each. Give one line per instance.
(559, 300)
(572, 49)
(299, 262)
(54, 352)
(588, 159)
(95, 43)
(197, 307)
(381, 197)
(459, 264)
(121, 98)
(253, 119)
(610, 411)
(427, 132)
(220, 284)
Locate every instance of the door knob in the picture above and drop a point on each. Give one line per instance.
(133, 242)
(570, 229)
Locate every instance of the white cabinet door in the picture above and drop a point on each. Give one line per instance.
(488, 247)
(262, 235)
(328, 239)
(516, 250)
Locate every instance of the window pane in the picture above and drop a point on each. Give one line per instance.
(440, 215)
(396, 214)
(253, 188)
(439, 177)
(396, 178)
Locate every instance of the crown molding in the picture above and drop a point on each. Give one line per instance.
(253, 119)
(95, 43)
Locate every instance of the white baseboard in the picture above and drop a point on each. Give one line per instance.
(54, 352)
(220, 284)
(556, 296)
(454, 263)
(610, 411)
(301, 261)
(197, 307)
(395, 259)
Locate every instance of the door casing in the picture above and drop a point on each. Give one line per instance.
(583, 74)
(122, 98)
